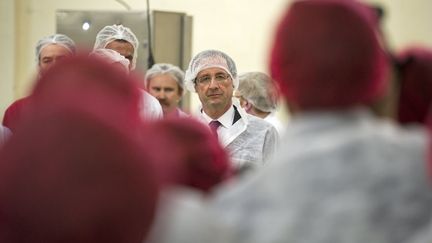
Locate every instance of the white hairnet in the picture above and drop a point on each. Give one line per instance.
(258, 89)
(210, 59)
(58, 39)
(111, 56)
(117, 32)
(165, 68)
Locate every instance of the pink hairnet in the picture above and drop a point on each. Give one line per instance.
(67, 175)
(415, 76)
(193, 155)
(75, 170)
(326, 54)
(93, 85)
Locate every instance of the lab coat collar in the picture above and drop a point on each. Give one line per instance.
(226, 119)
(229, 130)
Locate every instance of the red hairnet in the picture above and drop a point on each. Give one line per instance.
(326, 54)
(94, 86)
(74, 170)
(68, 176)
(192, 154)
(415, 76)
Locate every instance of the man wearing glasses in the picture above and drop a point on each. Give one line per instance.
(250, 141)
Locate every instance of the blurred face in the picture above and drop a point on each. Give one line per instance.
(165, 88)
(124, 48)
(50, 54)
(215, 89)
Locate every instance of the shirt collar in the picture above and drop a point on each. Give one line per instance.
(226, 119)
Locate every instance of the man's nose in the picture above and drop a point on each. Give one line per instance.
(162, 94)
(213, 83)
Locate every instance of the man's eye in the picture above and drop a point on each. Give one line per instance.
(204, 79)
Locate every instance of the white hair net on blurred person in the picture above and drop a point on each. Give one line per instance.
(165, 68)
(210, 59)
(117, 32)
(58, 39)
(111, 57)
(258, 89)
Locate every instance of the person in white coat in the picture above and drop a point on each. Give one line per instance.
(250, 141)
(122, 40)
(342, 174)
(259, 96)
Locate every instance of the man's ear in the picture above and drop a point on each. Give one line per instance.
(247, 106)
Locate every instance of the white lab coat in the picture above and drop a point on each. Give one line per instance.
(250, 141)
(182, 216)
(337, 178)
(150, 108)
(272, 119)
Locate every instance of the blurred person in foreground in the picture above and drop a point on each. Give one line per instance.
(96, 86)
(342, 174)
(49, 50)
(415, 80)
(122, 40)
(71, 172)
(250, 141)
(192, 151)
(165, 82)
(421, 54)
(259, 96)
(112, 57)
(195, 165)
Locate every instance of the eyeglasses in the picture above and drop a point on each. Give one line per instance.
(206, 79)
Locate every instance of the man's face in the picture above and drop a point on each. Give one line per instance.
(50, 54)
(165, 88)
(124, 48)
(215, 89)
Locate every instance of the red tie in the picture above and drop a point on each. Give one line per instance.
(214, 126)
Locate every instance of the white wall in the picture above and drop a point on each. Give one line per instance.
(7, 49)
(241, 28)
(407, 22)
(242, 32)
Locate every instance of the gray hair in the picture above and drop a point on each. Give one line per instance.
(259, 89)
(165, 68)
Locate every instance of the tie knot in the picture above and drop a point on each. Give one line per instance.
(214, 125)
